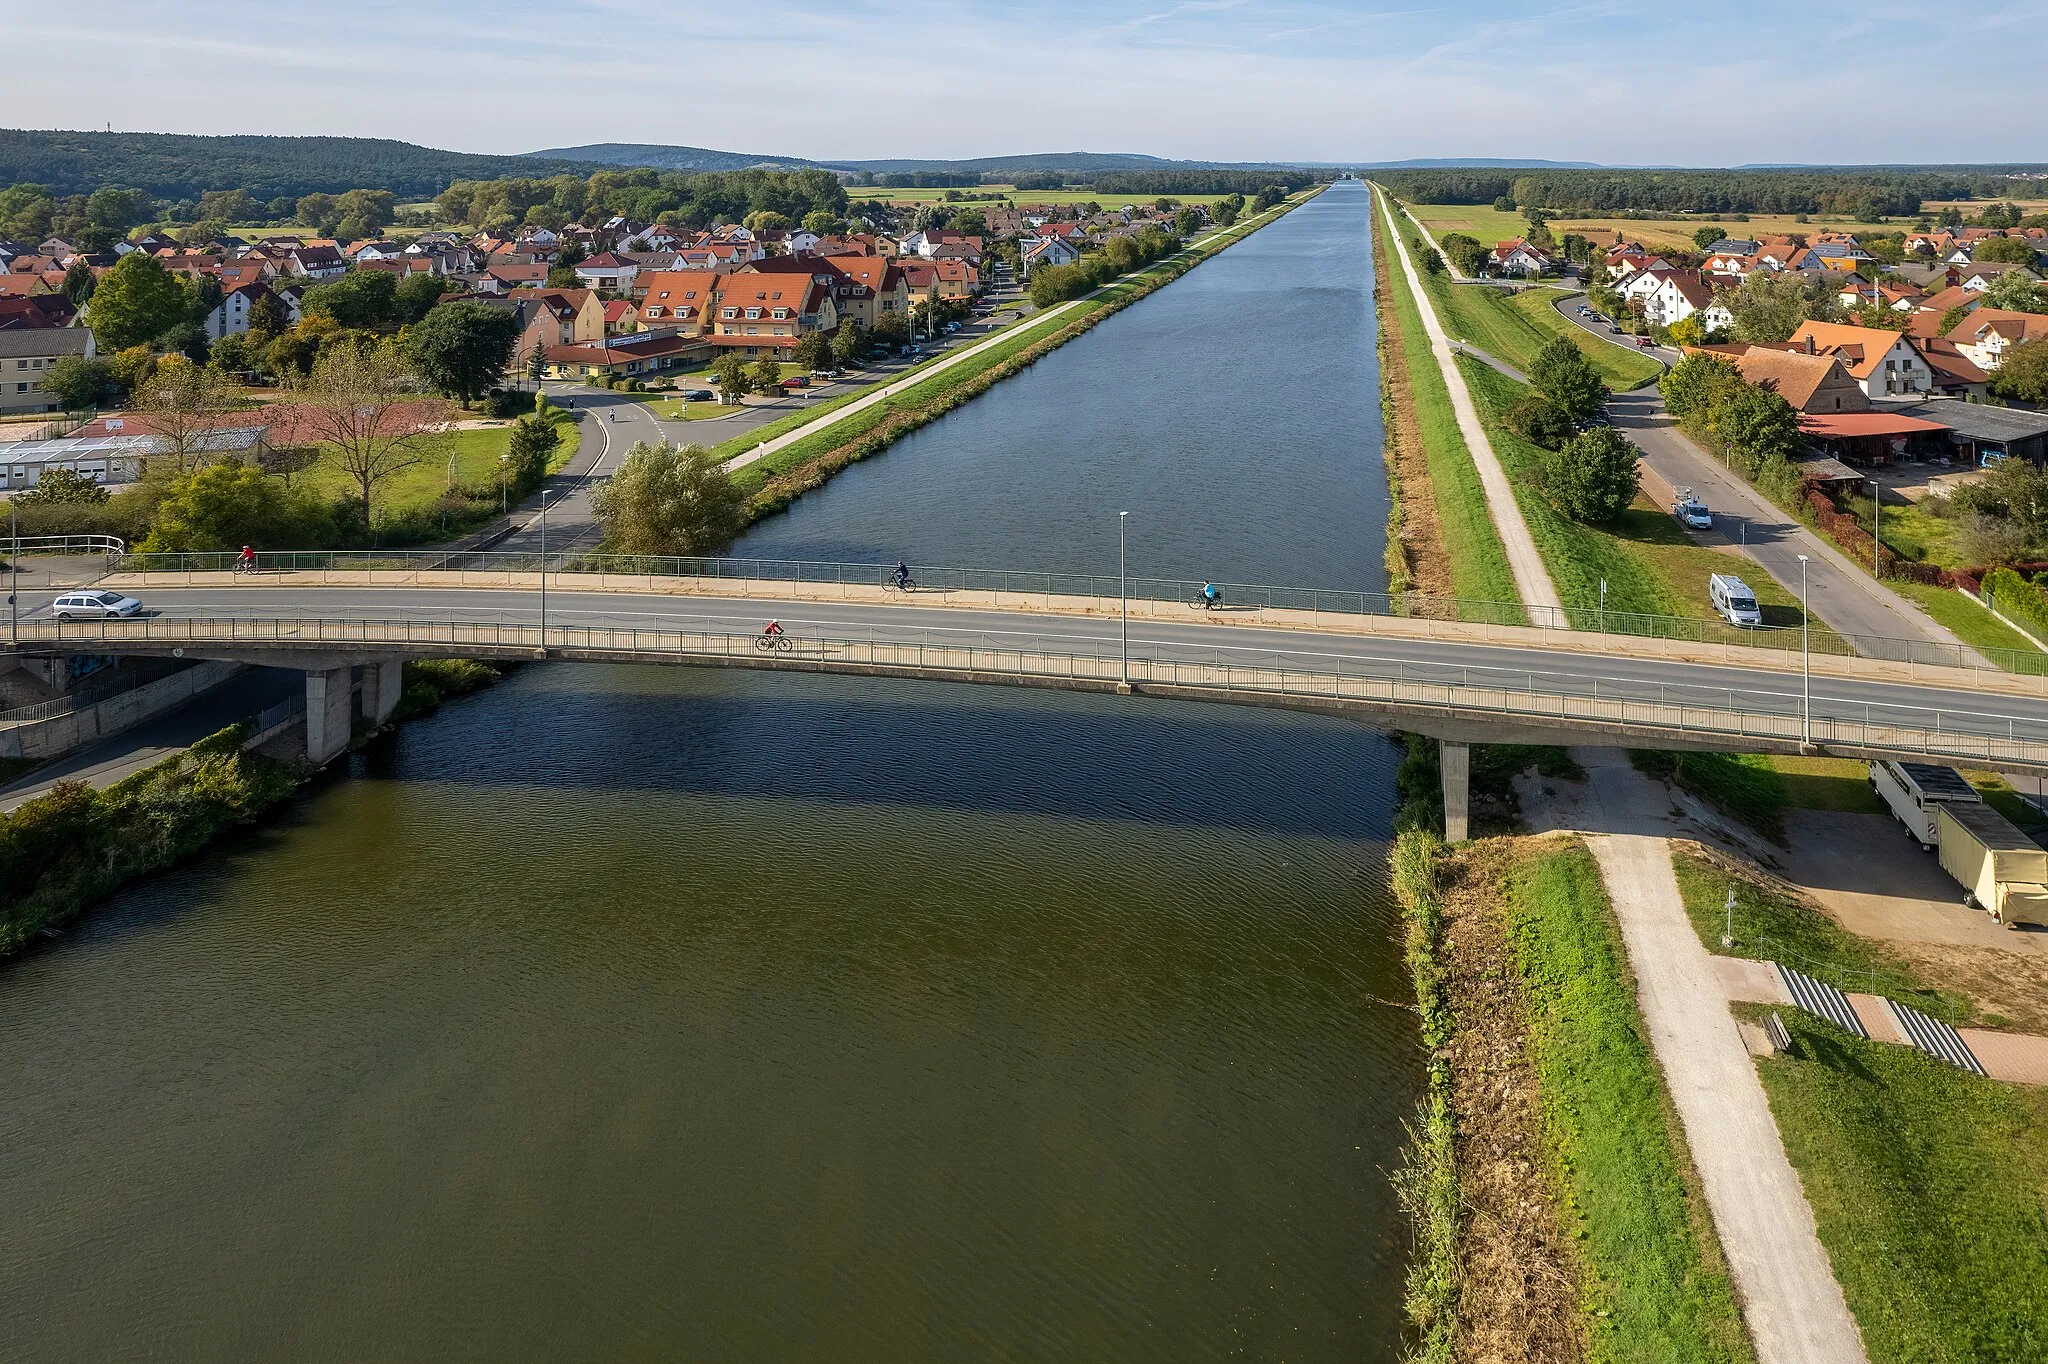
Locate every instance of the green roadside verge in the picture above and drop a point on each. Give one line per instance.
(1514, 326)
(1523, 986)
(1478, 562)
(1928, 1184)
(64, 852)
(778, 479)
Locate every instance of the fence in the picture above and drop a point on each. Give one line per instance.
(1567, 700)
(941, 579)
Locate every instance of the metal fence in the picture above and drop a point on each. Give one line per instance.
(109, 545)
(1570, 699)
(933, 579)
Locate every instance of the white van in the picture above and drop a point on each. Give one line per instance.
(1914, 790)
(1733, 601)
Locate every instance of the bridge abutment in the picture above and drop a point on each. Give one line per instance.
(1455, 761)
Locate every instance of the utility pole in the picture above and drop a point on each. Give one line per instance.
(1805, 662)
(1123, 592)
(1876, 545)
(13, 570)
(544, 495)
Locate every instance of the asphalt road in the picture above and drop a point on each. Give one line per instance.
(1198, 638)
(1849, 601)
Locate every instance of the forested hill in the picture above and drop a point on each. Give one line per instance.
(180, 166)
(668, 158)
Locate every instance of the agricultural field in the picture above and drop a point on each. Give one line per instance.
(1017, 196)
(1490, 225)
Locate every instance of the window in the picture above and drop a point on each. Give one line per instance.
(753, 314)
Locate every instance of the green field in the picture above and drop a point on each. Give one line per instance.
(1479, 565)
(1019, 197)
(1515, 326)
(1489, 225)
(1657, 1289)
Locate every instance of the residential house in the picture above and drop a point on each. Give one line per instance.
(1677, 296)
(871, 288)
(1049, 251)
(621, 316)
(1734, 246)
(678, 300)
(230, 316)
(358, 252)
(509, 277)
(316, 263)
(1979, 276)
(1731, 267)
(558, 317)
(36, 310)
(1883, 363)
(27, 355)
(762, 311)
(1988, 334)
(801, 242)
(608, 271)
(1811, 383)
(1855, 293)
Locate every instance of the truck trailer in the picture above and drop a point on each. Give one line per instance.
(1914, 790)
(2004, 871)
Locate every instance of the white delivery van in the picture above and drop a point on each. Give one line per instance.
(1913, 790)
(1733, 601)
(2004, 871)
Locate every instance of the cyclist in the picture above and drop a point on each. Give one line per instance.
(772, 629)
(1211, 598)
(901, 575)
(247, 560)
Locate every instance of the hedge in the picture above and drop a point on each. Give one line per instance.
(2013, 595)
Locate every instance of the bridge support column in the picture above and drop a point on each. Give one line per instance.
(1456, 762)
(383, 683)
(330, 713)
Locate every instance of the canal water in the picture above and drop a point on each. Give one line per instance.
(653, 1014)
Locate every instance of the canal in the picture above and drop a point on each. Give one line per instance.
(648, 1014)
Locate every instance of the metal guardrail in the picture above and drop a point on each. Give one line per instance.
(1946, 734)
(111, 545)
(931, 578)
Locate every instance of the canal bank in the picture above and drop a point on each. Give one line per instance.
(622, 1012)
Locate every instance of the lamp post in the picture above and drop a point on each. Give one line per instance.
(13, 570)
(546, 493)
(504, 465)
(1805, 662)
(1876, 545)
(1123, 595)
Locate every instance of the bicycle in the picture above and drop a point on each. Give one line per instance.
(248, 566)
(774, 644)
(900, 585)
(1203, 602)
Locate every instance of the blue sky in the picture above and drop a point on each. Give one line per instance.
(1325, 80)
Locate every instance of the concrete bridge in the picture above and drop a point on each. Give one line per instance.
(349, 625)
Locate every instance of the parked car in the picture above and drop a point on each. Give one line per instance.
(826, 373)
(94, 606)
(698, 395)
(1733, 600)
(1691, 512)
(796, 381)
(952, 327)
(1646, 343)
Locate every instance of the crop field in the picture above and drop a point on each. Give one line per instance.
(1016, 196)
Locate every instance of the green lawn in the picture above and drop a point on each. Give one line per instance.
(1913, 533)
(1775, 926)
(1969, 620)
(1928, 1186)
(1479, 565)
(1657, 1290)
(1514, 326)
(475, 463)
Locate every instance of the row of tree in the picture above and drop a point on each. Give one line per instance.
(682, 199)
(1869, 195)
(1589, 472)
(1051, 284)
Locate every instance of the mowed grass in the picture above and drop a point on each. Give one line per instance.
(1479, 564)
(1021, 196)
(1656, 1288)
(1927, 1185)
(474, 455)
(1515, 326)
(1489, 225)
(1972, 622)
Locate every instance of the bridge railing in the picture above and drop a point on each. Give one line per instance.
(942, 579)
(1952, 734)
(112, 546)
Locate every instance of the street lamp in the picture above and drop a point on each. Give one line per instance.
(546, 493)
(1876, 545)
(1805, 662)
(504, 467)
(1123, 592)
(13, 570)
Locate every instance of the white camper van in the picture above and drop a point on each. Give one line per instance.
(1913, 790)
(1733, 600)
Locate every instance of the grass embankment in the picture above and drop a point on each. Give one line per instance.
(1514, 326)
(1573, 1223)
(1927, 1183)
(807, 463)
(1675, 233)
(1478, 564)
(1416, 556)
(64, 852)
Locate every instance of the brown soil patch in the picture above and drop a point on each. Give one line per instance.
(2009, 988)
(1422, 540)
(1519, 1274)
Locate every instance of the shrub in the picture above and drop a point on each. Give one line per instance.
(2014, 596)
(1538, 420)
(1593, 477)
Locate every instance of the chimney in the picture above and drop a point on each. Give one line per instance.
(1809, 343)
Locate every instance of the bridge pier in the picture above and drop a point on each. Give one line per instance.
(1455, 761)
(383, 684)
(330, 712)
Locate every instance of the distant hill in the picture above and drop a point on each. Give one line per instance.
(1456, 163)
(179, 165)
(668, 158)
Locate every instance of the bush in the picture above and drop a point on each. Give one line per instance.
(1538, 420)
(224, 506)
(2014, 596)
(1593, 477)
(669, 499)
(508, 402)
(1562, 373)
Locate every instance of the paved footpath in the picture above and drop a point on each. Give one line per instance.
(1791, 1301)
(1532, 579)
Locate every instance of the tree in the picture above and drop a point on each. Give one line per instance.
(1562, 373)
(136, 302)
(814, 351)
(537, 363)
(2008, 250)
(25, 212)
(79, 283)
(227, 205)
(2016, 291)
(734, 382)
(2014, 491)
(130, 369)
(462, 349)
(1593, 477)
(767, 375)
(235, 354)
(1187, 222)
(891, 329)
(416, 294)
(822, 223)
(1755, 424)
(268, 317)
(356, 405)
(1227, 209)
(1465, 252)
(1504, 204)
(1539, 421)
(1768, 307)
(1706, 236)
(185, 404)
(117, 209)
(364, 212)
(319, 212)
(1688, 331)
(669, 499)
(227, 505)
(1697, 384)
(78, 383)
(2024, 375)
(361, 298)
(58, 484)
(534, 439)
(850, 343)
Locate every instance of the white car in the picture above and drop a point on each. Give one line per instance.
(94, 606)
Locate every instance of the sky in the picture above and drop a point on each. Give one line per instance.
(1609, 81)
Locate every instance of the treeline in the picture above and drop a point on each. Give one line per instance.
(178, 166)
(1867, 194)
(1205, 181)
(1051, 284)
(683, 199)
